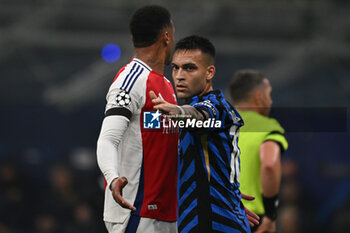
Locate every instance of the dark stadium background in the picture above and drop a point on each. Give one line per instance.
(53, 83)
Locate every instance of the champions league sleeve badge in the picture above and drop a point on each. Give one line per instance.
(123, 99)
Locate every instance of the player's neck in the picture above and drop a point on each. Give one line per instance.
(153, 56)
(208, 88)
(246, 106)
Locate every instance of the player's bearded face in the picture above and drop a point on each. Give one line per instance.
(190, 72)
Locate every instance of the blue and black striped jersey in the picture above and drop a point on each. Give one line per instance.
(209, 199)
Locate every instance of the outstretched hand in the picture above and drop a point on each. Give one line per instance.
(117, 186)
(253, 219)
(163, 106)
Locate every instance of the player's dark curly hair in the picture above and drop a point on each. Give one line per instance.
(197, 42)
(147, 24)
(243, 82)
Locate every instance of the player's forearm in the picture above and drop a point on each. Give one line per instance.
(271, 179)
(112, 131)
(193, 112)
(271, 172)
(106, 154)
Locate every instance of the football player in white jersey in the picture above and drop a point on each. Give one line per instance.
(136, 156)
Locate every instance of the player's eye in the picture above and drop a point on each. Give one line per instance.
(190, 67)
(174, 67)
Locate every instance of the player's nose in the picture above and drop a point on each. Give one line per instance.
(179, 75)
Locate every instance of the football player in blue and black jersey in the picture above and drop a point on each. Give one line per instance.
(209, 199)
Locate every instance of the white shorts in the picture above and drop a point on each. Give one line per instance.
(142, 225)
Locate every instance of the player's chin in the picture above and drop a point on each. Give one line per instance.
(182, 94)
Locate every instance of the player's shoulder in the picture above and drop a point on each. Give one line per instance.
(275, 126)
(208, 100)
(261, 122)
(270, 124)
(276, 133)
(128, 76)
(215, 97)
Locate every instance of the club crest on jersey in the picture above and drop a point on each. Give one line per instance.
(151, 120)
(123, 98)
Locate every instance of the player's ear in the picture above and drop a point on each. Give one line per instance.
(210, 72)
(165, 37)
(256, 97)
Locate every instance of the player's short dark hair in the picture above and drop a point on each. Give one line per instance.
(196, 42)
(244, 82)
(147, 24)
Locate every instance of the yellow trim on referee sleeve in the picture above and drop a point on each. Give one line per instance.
(204, 140)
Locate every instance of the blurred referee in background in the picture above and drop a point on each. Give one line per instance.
(262, 142)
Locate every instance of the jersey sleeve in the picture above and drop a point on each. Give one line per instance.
(276, 134)
(215, 110)
(112, 131)
(124, 101)
(210, 107)
(279, 139)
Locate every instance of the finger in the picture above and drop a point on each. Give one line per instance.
(117, 193)
(121, 201)
(127, 205)
(252, 221)
(152, 95)
(162, 107)
(158, 101)
(247, 197)
(252, 214)
(249, 212)
(122, 182)
(159, 106)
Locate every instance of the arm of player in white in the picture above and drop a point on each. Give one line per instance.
(112, 131)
